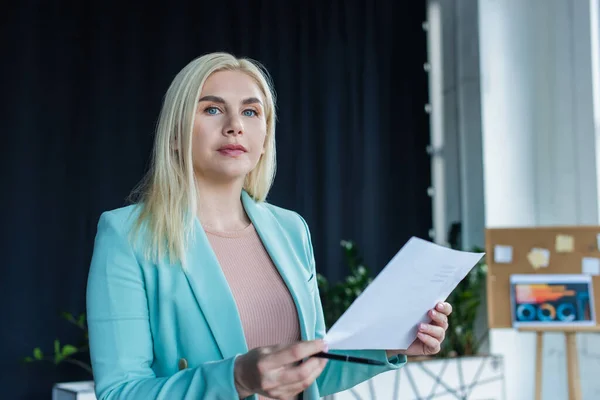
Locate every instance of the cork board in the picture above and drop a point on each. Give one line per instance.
(566, 256)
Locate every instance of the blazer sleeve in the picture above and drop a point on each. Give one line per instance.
(337, 375)
(120, 339)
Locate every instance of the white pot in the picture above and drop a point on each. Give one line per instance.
(472, 378)
(83, 390)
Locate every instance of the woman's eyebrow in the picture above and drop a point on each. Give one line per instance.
(217, 99)
(251, 100)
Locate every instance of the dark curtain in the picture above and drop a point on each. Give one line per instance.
(82, 84)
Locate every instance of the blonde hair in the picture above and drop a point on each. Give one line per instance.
(168, 194)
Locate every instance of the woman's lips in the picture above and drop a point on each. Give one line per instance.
(231, 152)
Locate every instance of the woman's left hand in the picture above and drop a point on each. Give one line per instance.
(430, 336)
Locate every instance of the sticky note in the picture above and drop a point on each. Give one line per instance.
(590, 266)
(564, 243)
(539, 258)
(503, 254)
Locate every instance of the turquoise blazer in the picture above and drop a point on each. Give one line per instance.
(165, 332)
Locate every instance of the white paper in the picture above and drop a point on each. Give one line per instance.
(565, 243)
(387, 314)
(590, 266)
(503, 254)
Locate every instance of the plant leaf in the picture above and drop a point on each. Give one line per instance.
(37, 353)
(68, 316)
(56, 346)
(68, 350)
(81, 320)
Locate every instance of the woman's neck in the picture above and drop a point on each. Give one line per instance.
(220, 207)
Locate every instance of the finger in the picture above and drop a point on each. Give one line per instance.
(439, 319)
(299, 386)
(432, 345)
(444, 308)
(433, 330)
(301, 372)
(293, 353)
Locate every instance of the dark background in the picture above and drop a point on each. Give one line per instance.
(82, 83)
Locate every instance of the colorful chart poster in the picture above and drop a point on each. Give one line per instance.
(552, 300)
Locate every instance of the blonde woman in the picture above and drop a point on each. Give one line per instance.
(202, 290)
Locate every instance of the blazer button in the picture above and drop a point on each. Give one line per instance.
(183, 364)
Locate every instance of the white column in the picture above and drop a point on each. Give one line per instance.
(443, 152)
(456, 150)
(466, 38)
(457, 162)
(538, 152)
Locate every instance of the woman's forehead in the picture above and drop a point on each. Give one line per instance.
(231, 86)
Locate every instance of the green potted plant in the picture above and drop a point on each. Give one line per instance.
(336, 298)
(65, 353)
(466, 299)
(461, 338)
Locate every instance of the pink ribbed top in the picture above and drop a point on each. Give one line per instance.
(266, 308)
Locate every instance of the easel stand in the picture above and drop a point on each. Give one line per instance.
(572, 359)
(507, 254)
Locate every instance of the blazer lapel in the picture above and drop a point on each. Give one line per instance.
(211, 289)
(214, 296)
(276, 243)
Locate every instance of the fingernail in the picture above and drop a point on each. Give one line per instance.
(440, 306)
(433, 312)
(422, 327)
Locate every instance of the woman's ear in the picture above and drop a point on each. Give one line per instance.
(264, 146)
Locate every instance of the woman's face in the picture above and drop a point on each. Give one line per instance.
(229, 127)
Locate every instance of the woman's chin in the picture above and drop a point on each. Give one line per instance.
(227, 175)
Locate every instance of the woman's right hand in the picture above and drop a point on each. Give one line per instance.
(276, 371)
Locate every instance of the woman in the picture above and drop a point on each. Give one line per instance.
(202, 290)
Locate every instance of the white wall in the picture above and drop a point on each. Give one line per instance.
(516, 118)
(539, 152)
(537, 112)
(595, 42)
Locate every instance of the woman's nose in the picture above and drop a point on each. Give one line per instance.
(234, 127)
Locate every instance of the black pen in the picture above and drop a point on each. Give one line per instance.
(340, 357)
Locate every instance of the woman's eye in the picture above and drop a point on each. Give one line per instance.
(211, 110)
(250, 113)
